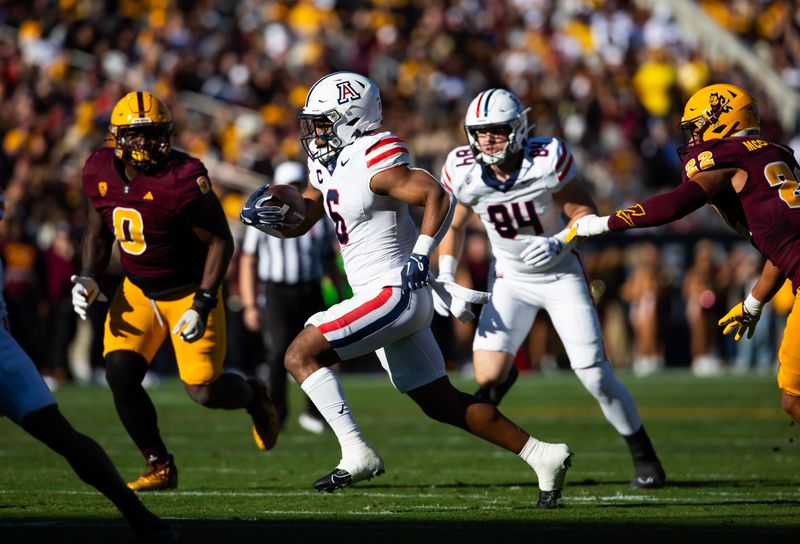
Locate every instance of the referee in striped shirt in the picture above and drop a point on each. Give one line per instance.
(290, 271)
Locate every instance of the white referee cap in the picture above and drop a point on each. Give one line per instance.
(290, 172)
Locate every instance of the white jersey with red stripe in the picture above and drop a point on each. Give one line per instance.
(523, 206)
(375, 232)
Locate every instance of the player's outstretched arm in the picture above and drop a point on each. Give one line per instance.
(660, 209)
(575, 202)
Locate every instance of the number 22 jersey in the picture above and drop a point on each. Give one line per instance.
(767, 209)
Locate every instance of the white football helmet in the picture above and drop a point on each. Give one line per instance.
(497, 108)
(339, 108)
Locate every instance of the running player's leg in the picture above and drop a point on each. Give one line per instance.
(26, 400)
(200, 365)
(417, 368)
(503, 325)
(574, 317)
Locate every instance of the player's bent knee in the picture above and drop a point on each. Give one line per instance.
(125, 370)
(597, 378)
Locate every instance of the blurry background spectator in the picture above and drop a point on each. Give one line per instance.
(609, 77)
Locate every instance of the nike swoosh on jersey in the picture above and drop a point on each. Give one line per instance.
(343, 162)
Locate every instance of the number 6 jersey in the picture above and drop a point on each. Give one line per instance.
(375, 232)
(519, 208)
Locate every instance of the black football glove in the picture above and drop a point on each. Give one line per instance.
(415, 272)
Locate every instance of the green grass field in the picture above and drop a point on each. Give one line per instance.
(730, 453)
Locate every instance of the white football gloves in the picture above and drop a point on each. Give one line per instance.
(588, 225)
(439, 305)
(190, 326)
(84, 292)
(541, 250)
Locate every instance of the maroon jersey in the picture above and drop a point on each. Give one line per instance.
(768, 206)
(149, 218)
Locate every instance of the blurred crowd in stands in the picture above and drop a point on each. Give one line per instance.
(610, 77)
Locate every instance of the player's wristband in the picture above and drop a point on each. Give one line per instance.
(752, 305)
(204, 301)
(424, 245)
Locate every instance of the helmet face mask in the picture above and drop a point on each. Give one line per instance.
(339, 108)
(142, 128)
(718, 111)
(496, 112)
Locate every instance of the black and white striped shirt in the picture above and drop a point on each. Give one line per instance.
(290, 260)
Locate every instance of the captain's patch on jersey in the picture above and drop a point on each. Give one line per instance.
(204, 183)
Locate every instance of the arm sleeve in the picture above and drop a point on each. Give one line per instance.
(660, 209)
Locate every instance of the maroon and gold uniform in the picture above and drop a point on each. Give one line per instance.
(769, 200)
(766, 210)
(152, 219)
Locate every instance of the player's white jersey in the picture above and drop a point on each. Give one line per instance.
(519, 208)
(375, 232)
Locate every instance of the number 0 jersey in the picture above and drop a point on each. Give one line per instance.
(522, 206)
(767, 209)
(375, 232)
(159, 251)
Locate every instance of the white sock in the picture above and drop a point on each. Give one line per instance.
(325, 391)
(531, 450)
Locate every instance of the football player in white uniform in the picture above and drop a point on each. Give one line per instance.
(521, 188)
(361, 177)
(26, 400)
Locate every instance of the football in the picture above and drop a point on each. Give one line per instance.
(287, 195)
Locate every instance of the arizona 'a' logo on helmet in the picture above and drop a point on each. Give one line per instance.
(718, 111)
(142, 128)
(346, 92)
(339, 108)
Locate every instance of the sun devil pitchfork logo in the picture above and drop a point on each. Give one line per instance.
(347, 92)
(718, 104)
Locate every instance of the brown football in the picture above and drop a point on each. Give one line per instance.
(289, 196)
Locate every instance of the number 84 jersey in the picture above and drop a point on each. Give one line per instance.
(521, 207)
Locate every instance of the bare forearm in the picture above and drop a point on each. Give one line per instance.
(769, 282)
(453, 243)
(220, 251)
(439, 207)
(95, 254)
(247, 280)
